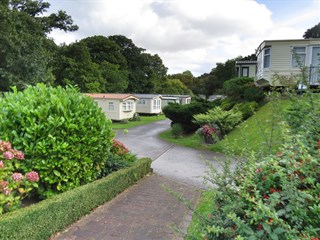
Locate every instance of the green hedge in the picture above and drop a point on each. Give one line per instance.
(42, 220)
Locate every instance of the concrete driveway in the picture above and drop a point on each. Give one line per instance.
(176, 162)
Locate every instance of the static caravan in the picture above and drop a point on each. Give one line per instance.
(148, 103)
(246, 68)
(182, 99)
(115, 106)
(285, 58)
(166, 100)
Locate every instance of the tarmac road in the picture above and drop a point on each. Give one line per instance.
(180, 163)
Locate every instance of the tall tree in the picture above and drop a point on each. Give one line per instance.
(145, 70)
(23, 39)
(313, 32)
(74, 66)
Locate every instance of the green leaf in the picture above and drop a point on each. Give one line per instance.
(57, 173)
(279, 230)
(274, 236)
(266, 227)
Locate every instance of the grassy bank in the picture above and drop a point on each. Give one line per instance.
(143, 120)
(258, 133)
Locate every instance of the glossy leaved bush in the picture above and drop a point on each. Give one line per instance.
(64, 135)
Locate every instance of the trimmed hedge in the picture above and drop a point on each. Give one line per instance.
(42, 220)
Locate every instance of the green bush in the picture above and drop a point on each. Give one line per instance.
(40, 221)
(176, 130)
(225, 120)
(246, 108)
(243, 89)
(64, 135)
(183, 114)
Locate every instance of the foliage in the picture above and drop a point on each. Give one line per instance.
(176, 130)
(183, 114)
(186, 78)
(243, 89)
(119, 158)
(174, 86)
(277, 196)
(247, 109)
(26, 52)
(225, 120)
(210, 133)
(39, 221)
(13, 185)
(313, 32)
(64, 134)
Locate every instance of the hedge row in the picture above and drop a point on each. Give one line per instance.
(42, 220)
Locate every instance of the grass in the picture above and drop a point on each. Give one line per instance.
(144, 120)
(204, 208)
(261, 132)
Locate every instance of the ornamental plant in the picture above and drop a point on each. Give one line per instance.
(225, 120)
(210, 133)
(14, 186)
(65, 135)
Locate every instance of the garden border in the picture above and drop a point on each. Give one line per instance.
(42, 220)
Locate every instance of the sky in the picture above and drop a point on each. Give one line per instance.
(190, 35)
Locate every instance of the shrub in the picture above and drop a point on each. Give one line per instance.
(210, 133)
(176, 130)
(225, 120)
(243, 89)
(277, 198)
(14, 186)
(40, 221)
(64, 134)
(183, 114)
(247, 109)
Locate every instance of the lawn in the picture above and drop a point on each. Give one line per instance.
(143, 120)
(261, 132)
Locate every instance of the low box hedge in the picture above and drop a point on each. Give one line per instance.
(42, 220)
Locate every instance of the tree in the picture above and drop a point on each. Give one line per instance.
(145, 70)
(186, 78)
(174, 86)
(26, 52)
(73, 66)
(313, 32)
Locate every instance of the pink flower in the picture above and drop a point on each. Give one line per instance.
(18, 154)
(1, 164)
(7, 191)
(259, 170)
(32, 176)
(16, 177)
(5, 146)
(3, 184)
(8, 155)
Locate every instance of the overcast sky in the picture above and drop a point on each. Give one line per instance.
(190, 34)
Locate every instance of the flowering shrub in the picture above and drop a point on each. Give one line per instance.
(119, 157)
(118, 148)
(13, 185)
(65, 135)
(225, 120)
(210, 133)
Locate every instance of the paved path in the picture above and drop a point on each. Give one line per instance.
(180, 163)
(146, 211)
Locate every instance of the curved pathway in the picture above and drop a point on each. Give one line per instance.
(184, 164)
(147, 210)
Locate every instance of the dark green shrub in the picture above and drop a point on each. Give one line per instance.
(64, 135)
(227, 104)
(183, 114)
(246, 108)
(243, 89)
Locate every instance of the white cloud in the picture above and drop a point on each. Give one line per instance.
(186, 34)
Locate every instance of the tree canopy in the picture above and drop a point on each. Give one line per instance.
(313, 32)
